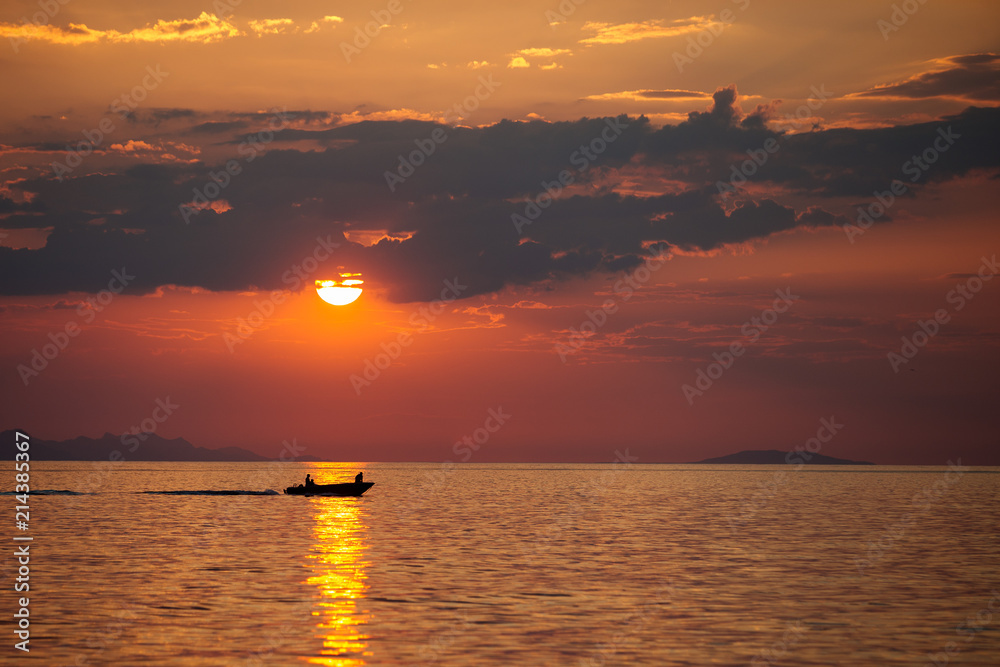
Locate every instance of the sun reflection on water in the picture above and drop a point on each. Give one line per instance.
(339, 566)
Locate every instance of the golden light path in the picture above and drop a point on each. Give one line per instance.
(340, 575)
(346, 289)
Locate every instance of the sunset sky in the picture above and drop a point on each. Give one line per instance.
(203, 163)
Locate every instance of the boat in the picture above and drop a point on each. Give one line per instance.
(344, 489)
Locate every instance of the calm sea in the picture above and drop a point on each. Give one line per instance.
(508, 565)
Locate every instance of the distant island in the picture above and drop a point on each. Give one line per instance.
(774, 457)
(142, 447)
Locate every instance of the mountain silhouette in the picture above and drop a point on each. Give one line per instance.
(142, 447)
(774, 456)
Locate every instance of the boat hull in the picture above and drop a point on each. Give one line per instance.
(345, 489)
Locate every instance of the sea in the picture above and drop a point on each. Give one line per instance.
(136, 563)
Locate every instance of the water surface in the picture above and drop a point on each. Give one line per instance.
(511, 564)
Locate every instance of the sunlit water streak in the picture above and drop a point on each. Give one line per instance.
(509, 564)
(340, 577)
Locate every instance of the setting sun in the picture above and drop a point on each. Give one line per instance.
(342, 291)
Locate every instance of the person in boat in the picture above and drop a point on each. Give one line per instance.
(309, 481)
(357, 478)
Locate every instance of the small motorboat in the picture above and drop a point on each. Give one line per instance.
(344, 489)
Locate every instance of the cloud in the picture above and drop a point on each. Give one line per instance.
(838, 162)
(519, 59)
(651, 95)
(205, 29)
(270, 26)
(314, 26)
(218, 126)
(623, 33)
(973, 77)
(390, 115)
(544, 52)
(452, 217)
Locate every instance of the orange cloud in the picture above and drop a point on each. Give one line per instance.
(646, 95)
(314, 26)
(543, 52)
(519, 59)
(205, 29)
(390, 114)
(622, 33)
(270, 26)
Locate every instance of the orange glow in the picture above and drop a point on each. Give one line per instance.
(342, 291)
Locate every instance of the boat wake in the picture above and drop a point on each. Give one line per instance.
(237, 492)
(48, 492)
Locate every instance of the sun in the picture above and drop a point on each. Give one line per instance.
(342, 291)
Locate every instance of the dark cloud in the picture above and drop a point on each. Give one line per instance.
(847, 162)
(970, 77)
(457, 206)
(218, 126)
(723, 127)
(156, 116)
(13, 210)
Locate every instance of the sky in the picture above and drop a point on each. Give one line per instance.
(660, 231)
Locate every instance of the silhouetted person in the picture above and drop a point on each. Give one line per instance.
(357, 478)
(309, 481)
